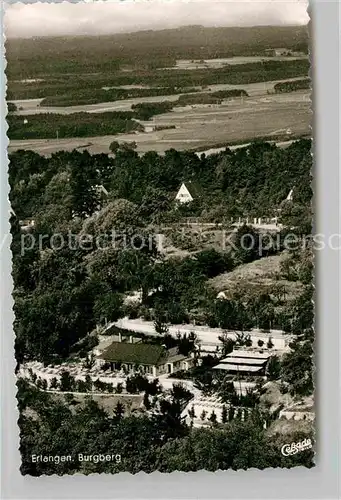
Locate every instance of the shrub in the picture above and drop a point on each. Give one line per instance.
(270, 344)
(67, 382)
(119, 388)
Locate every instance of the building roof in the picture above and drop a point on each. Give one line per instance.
(239, 353)
(142, 354)
(244, 361)
(237, 368)
(194, 188)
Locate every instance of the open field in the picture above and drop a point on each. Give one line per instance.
(191, 64)
(32, 106)
(262, 275)
(197, 126)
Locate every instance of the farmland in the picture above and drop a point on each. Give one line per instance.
(241, 119)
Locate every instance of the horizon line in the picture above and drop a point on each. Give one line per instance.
(148, 30)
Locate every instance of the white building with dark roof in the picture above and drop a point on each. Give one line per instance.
(188, 192)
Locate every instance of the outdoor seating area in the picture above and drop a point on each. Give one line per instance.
(77, 371)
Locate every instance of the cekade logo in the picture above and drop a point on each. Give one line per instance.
(293, 448)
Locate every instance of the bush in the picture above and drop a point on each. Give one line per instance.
(103, 386)
(292, 85)
(67, 382)
(248, 341)
(270, 344)
(273, 368)
(86, 344)
(145, 110)
(11, 107)
(54, 383)
(136, 384)
(131, 310)
(119, 388)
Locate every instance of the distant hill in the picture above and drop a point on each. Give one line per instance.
(164, 46)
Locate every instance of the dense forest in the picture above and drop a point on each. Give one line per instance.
(210, 98)
(94, 96)
(37, 57)
(72, 88)
(235, 182)
(62, 293)
(161, 442)
(54, 125)
(292, 86)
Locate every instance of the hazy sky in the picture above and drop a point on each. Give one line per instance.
(105, 17)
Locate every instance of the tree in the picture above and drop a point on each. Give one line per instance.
(180, 393)
(146, 401)
(212, 262)
(67, 382)
(231, 413)
(136, 384)
(160, 326)
(248, 341)
(119, 410)
(213, 418)
(191, 413)
(11, 107)
(85, 198)
(153, 387)
(187, 344)
(119, 388)
(227, 342)
(203, 415)
(108, 307)
(88, 382)
(204, 382)
(227, 392)
(224, 414)
(39, 383)
(114, 146)
(273, 368)
(128, 146)
(297, 367)
(89, 361)
(270, 344)
(246, 245)
(155, 202)
(54, 383)
(81, 386)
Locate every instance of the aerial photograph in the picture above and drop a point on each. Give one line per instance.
(161, 220)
